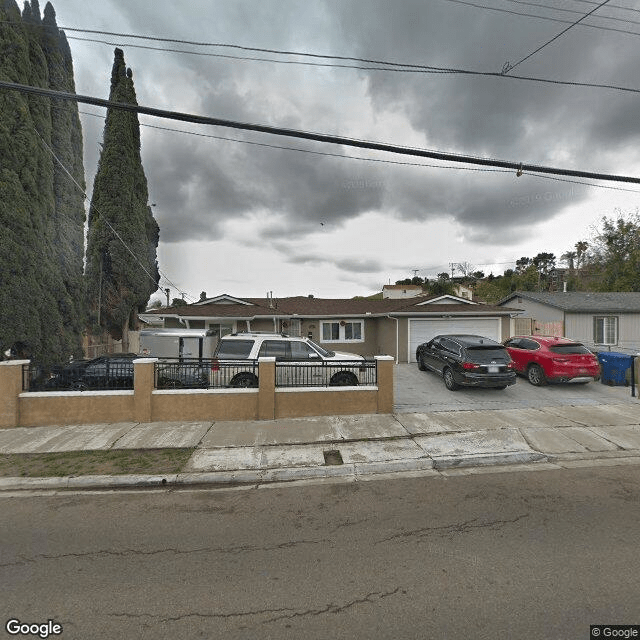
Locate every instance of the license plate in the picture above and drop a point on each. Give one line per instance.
(493, 369)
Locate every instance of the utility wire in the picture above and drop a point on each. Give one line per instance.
(549, 6)
(310, 151)
(396, 69)
(389, 66)
(533, 53)
(612, 6)
(103, 218)
(539, 17)
(318, 137)
(378, 160)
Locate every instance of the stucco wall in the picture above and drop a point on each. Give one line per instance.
(86, 407)
(145, 404)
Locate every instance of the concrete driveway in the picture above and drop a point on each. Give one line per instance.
(423, 391)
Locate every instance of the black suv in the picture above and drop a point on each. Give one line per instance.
(115, 371)
(470, 361)
(109, 371)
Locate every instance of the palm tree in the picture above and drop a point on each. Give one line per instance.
(569, 257)
(581, 250)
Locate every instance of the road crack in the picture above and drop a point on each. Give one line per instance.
(335, 608)
(287, 613)
(448, 529)
(124, 553)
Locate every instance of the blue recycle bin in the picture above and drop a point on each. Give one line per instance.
(615, 367)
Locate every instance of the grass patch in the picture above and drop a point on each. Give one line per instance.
(87, 463)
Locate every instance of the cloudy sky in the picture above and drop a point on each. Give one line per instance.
(240, 218)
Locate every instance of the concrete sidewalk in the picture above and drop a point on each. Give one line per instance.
(349, 447)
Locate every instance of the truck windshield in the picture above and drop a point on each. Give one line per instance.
(233, 349)
(323, 352)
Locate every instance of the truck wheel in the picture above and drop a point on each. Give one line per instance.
(344, 379)
(244, 380)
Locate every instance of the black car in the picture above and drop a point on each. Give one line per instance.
(115, 371)
(466, 360)
(110, 371)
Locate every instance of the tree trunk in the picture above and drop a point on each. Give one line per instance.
(125, 336)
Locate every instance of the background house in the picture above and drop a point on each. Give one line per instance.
(397, 291)
(366, 327)
(603, 321)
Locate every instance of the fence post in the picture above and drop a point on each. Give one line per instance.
(10, 389)
(385, 366)
(266, 388)
(143, 385)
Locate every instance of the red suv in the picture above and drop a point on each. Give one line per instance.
(545, 359)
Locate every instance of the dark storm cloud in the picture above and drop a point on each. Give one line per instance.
(350, 265)
(359, 266)
(509, 119)
(200, 183)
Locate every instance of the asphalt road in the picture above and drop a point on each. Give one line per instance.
(498, 555)
(424, 391)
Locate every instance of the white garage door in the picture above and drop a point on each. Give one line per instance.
(423, 330)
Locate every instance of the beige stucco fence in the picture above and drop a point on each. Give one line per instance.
(147, 404)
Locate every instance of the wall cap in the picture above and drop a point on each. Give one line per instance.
(145, 360)
(8, 363)
(75, 394)
(338, 389)
(384, 358)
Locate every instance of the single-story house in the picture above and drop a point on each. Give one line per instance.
(401, 290)
(367, 327)
(600, 320)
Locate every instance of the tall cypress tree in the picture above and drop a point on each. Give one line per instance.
(34, 300)
(19, 253)
(68, 215)
(122, 270)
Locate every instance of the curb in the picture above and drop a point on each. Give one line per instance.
(352, 472)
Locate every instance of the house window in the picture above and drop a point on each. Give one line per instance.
(221, 329)
(334, 331)
(605, 330)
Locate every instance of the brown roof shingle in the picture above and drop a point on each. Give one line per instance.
(305, 306)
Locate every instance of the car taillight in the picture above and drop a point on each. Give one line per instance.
(215, 366)
(470, 365)
(511, 365)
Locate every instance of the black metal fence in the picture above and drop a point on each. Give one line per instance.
(206, 374)
(83, 375)
(181, 374)
(328, 373)
(79, 375)
(234, 374)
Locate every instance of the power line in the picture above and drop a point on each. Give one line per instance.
(378, 160)
(416, 69)
(539, 17)
(611, 6)
(533, 53)
(115, 233)
(389, 66)
(548, 6)
(318, 137)
(310, 151)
